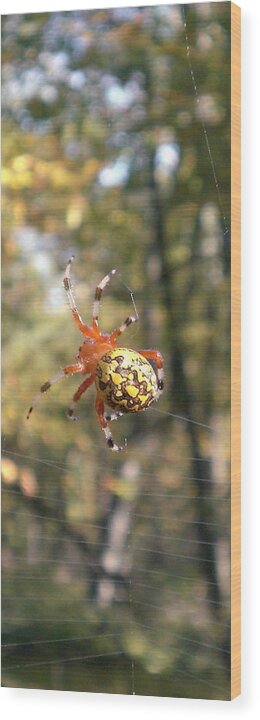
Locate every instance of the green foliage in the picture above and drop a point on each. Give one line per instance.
(111, 152)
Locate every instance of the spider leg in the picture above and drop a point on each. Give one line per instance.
(103, 423)
(85, 329)
(77, 395)
(98, 293)
(68, 370)
(118, 331)
(158, 359)
(113, 416)
(128, 321)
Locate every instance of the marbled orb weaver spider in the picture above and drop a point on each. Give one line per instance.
(125, 379)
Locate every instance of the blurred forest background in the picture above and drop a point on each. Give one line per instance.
(116, 147)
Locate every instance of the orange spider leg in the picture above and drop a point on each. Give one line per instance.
(77, 395)
(156, 356)
(98, 293)
(85, 329)
(103, 423)
(68, 370)
(118, 331)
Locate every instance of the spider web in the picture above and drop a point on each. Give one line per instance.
(139, 578)
(161, 576)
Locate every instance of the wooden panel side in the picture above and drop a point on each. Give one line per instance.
(235, 352)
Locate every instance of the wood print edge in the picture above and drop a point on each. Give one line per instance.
(235, 352)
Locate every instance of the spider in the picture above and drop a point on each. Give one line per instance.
(125, 379)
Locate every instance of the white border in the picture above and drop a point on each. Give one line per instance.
(37, 703)
(21, 6)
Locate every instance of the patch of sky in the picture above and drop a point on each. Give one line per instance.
(121, 97)
(42, 263)
(48, 94)
(55, 298)
(124, 14)
(119, 139)
(116, 173)
(37, 247)
(167, 157)
(20, 88)
(170, 20)
(55, 64)
(27, 238)
(42, 127)
(118, 97)
(77, 79)
(31, 81)
(17, 88)
(25, 120)
(80, 44)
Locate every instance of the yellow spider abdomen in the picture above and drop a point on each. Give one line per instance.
(126, 381)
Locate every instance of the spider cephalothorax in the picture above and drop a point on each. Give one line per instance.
(125, 379)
